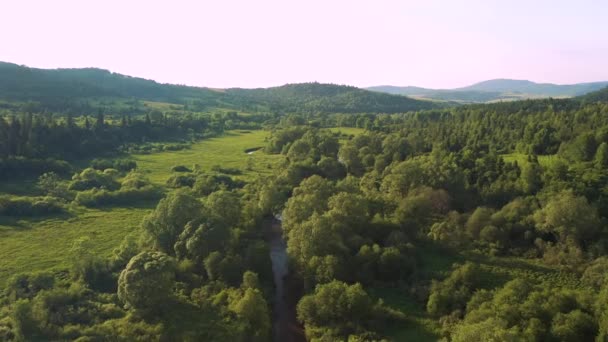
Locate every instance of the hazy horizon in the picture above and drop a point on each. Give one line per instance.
(270, 43)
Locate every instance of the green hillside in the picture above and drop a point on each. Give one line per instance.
(90, 89)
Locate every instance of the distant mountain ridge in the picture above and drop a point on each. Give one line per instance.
(495, 90)
(53, 89)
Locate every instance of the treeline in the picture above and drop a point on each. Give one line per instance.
(31, 144)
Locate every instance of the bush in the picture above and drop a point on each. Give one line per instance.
(98, 198)
(175, 147)
(29, 206)
(90, 178)
(50, 184)
(454, 292)
(180, 181)
(134, 180)
(180, 168)
(205, 185)
(27, 285)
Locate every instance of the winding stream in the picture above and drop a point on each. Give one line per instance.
(285, 326)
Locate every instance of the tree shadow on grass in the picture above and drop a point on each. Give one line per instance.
(136, 205)
(26, 222)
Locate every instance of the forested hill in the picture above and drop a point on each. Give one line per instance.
(80, 89)
(596, 96)
(19, 83)
(316, 97)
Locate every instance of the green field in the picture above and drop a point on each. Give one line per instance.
(347, 130)
(227, 151)
(521, 159)
(43, 244)
(35, 245)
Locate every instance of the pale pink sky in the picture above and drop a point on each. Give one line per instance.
(247, 43)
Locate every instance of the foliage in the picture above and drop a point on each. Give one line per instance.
(31, 207)
(168, 220)
(323, 312)
(145, 284)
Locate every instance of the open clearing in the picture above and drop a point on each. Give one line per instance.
(227, 151)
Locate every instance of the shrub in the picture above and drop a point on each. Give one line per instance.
(34, 206)
(27, 285)
(134, 180)
(180, 181)
(90, 178)
(128, 196)
(180, 168)
(454, 292)
(205, 184)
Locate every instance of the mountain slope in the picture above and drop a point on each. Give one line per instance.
(528, 87)
(596, 96)
(54, 89)
(495, 90)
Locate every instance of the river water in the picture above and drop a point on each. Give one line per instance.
(285, 326)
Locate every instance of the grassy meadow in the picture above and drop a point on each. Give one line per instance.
(36, 244)
(227, 151)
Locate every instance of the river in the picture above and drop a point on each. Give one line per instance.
(285, 326)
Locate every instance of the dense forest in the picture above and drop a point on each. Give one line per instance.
(466, 223)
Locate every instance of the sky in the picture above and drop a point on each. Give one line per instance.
(261, 43)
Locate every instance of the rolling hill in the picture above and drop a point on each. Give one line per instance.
(58, 89)
(495, 90)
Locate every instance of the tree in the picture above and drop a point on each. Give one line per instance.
(478, 220)
(89, 267)
(531, 178)
(250, 280)
(99, 122)
(197, 242)
(454, 292)
(253, 309)
(491, 329)
(299, 151)
(568, 216)
(167, 221)
(336, 305)
(50, 184)
(224, 207)
(146, 283)
(601, 156)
